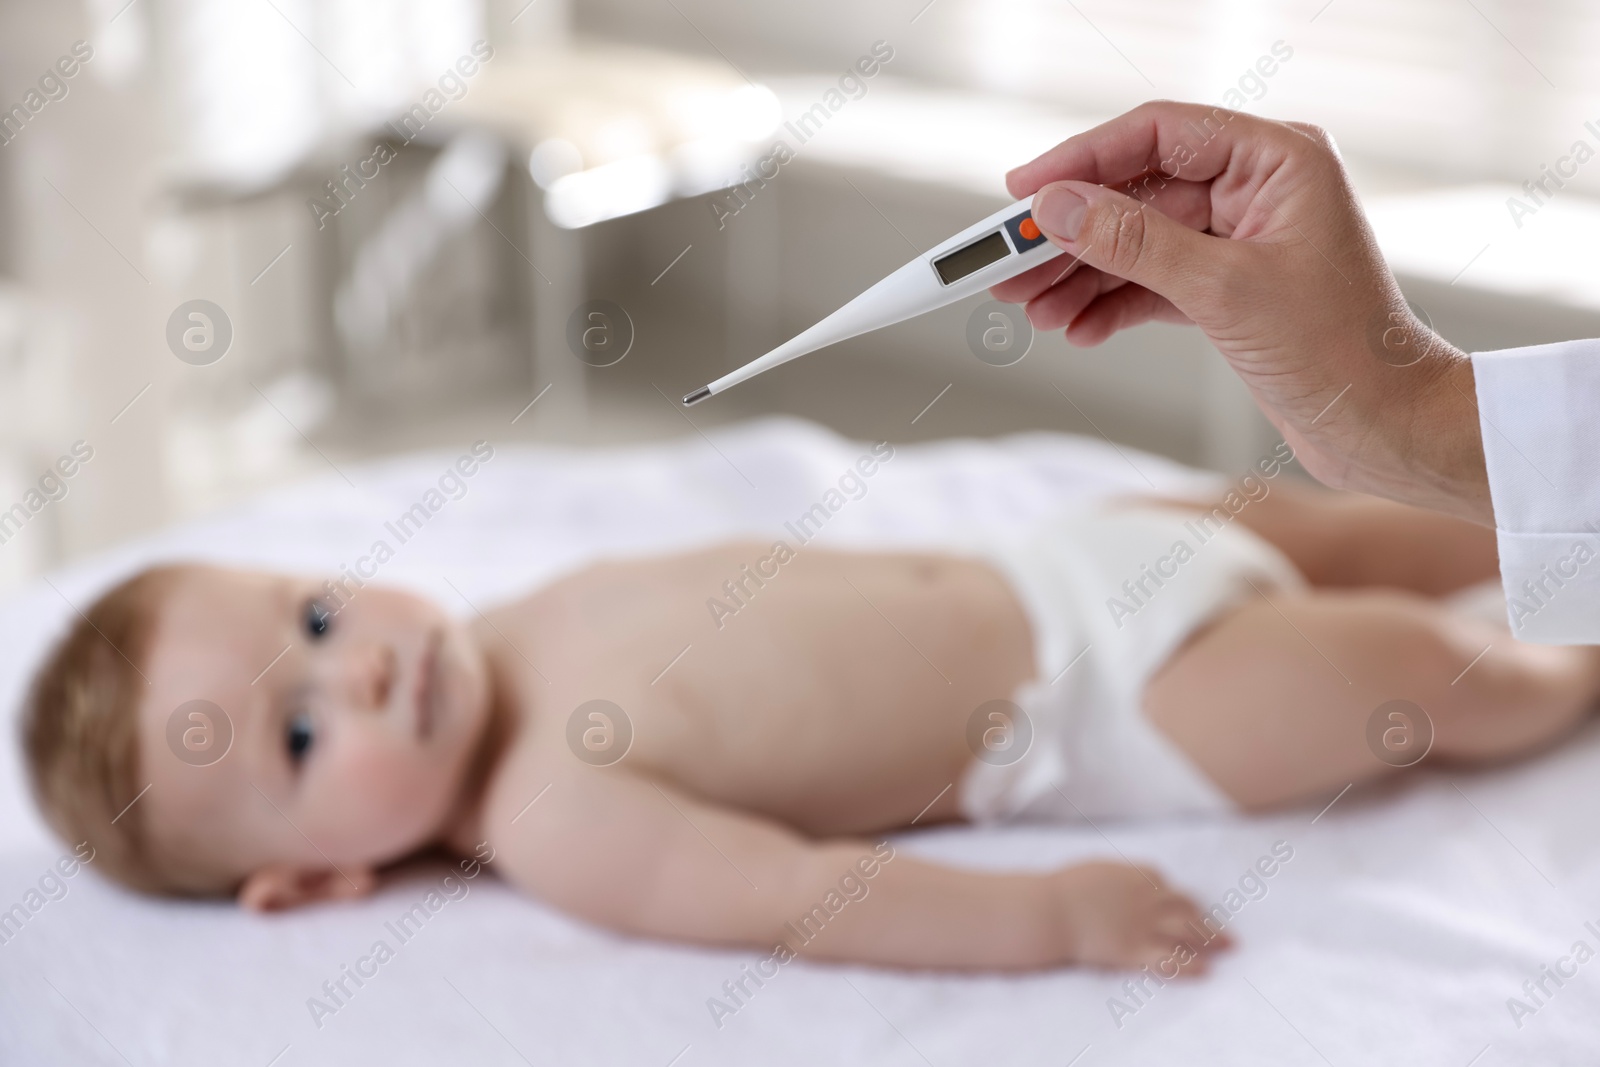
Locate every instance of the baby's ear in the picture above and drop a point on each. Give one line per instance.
(278, 886)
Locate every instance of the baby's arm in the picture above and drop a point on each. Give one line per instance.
(623, 851)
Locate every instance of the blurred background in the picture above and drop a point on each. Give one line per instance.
(242, 241)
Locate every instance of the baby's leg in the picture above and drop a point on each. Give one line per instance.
(1273, 700)
(1347, 540)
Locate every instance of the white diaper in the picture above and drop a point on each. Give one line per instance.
(1111, 593)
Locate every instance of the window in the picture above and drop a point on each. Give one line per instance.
(253, 85)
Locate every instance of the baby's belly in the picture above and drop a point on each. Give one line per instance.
(837, 696)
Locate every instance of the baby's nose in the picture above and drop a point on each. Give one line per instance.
(367, 673)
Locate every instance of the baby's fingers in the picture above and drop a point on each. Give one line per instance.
(1180, 923)
(1169, 958)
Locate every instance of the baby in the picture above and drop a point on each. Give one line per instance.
(636, 761)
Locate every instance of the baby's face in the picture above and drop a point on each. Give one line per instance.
(351, 731)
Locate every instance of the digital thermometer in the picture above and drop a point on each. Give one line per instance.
(986, 253)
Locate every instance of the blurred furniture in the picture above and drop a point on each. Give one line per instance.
(450, 280)
(604, 131)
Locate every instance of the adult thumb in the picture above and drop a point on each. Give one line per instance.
(1130, 239)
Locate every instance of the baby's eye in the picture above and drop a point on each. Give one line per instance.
(299, 736)
(318, 619)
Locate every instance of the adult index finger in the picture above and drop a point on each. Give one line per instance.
(1163, 136)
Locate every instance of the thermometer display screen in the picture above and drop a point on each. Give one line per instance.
(975, 256)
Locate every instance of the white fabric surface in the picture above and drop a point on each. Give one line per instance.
(1394, 935)
(1539, 413)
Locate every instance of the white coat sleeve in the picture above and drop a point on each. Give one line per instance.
(1539, 413)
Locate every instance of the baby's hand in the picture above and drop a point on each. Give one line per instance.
(1120, 916)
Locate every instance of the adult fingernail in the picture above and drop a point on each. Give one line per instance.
(1059, 211)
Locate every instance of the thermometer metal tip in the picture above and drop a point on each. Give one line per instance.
(698, 395)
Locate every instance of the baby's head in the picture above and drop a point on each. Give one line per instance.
(354, 721)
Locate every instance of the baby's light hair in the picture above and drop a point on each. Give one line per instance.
(80, 735)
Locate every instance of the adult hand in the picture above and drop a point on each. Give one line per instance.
(1250, 229)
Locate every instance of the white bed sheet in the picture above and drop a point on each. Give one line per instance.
(1396, 933)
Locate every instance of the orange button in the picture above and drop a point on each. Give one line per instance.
(1029, 229)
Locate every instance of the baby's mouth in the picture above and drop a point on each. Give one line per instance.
(426, 696)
